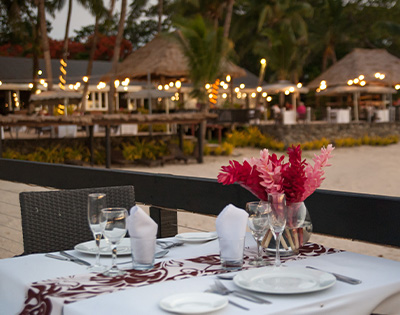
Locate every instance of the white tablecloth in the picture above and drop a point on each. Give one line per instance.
(380, 282)
(340, 116)
(382, 115)
(289, 117)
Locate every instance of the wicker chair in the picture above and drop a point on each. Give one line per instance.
(57, 220)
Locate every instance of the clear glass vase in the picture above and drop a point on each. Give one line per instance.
(292, 238)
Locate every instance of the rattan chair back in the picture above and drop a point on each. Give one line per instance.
(57, 220)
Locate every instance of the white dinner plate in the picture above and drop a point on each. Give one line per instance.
(193, 303)
(123, 248)
(284, 280)
(196, 237)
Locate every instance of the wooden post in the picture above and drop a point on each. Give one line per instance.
(200, 141)
(108, 147)
(180, 131)
(91, 144)
(166, 220)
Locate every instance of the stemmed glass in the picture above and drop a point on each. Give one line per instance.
(258, 224)
(96, 202)
(277, 216)
(113, 221)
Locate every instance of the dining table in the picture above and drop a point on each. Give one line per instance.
(38, 284)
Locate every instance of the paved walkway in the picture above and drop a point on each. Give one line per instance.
(11, 242)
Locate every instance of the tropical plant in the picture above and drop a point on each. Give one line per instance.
(205, 48)
(283, 24)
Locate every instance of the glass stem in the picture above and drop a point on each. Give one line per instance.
(277, 253)
(97, 238)
(258, 250)
(114, 256)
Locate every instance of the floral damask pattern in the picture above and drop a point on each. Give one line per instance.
(47, 296)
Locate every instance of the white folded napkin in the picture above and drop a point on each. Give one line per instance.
(140, 224)
(142, 229)
(231, 223)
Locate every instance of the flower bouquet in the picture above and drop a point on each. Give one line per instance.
(269, 174)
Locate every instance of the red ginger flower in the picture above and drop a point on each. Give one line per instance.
(245, 175)
(294, 176)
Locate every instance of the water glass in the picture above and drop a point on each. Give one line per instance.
(96, 202)
(231, 252)
(258, 225)
(113, 221)
(143, 250)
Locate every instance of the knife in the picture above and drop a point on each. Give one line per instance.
(57, 257)
(339, 277)
(75, 259)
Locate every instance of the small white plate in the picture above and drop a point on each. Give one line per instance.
(193, 303)
(284, 280)
(197, 237)
(123, 248)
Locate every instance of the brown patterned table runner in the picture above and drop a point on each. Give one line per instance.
(48, 296)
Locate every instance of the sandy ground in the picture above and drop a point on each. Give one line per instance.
(364, 169)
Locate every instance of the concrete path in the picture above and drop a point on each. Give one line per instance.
(11, 242)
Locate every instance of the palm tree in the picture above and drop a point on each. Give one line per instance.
(228, 17)
(117, 49)
(205, 48)
(328, 29)
(283, 24)
(45, 43)
(96, 8)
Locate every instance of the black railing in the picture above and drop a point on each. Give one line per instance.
(356, 216)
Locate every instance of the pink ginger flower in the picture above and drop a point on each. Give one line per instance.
(270, 169)
(315, 174)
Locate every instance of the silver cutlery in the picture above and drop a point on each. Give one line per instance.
(75, 259)
(157, 255)
(213, 290)
(226, 276)
(339, 277)
(63, 258)
(168, 244)
(244, 295)
(57, 257)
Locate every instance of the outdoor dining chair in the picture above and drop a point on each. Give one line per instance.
(57, 220)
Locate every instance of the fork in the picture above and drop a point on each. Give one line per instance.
(244, 295)
(213, 289)
(168, 244)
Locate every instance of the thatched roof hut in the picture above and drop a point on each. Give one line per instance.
(366, 62)
(163, 59)
(56, 97)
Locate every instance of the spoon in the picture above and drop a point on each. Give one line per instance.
(157, 255)
(226, 276)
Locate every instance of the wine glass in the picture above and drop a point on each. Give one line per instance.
(277, 216)
(258, 224)
(113, 221)
(96, 202)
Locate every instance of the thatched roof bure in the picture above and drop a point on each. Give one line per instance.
(161, 58)
(365, 62)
